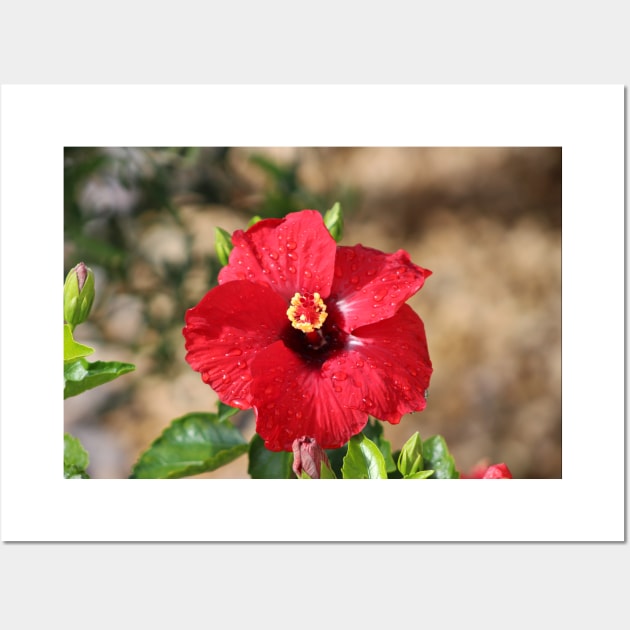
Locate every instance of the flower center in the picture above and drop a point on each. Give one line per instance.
(307, 312)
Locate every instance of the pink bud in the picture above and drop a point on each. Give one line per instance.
(308, 456)
(82, 273)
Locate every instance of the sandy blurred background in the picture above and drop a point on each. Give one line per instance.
(486, 221)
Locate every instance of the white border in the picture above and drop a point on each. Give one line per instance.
(587, 504)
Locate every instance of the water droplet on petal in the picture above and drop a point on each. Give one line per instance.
(307, 273)
(380, 294)
(291, 269)
(234, 352)
(367, 402)
(359, 363)
(340, 376)
(273, 255)
(291, 244)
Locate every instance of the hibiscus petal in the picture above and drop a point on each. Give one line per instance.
(388, 363)
(225, 331)
(291, 255)
(370, 286)
(293, 399)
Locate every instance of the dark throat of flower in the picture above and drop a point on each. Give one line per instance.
(315, 339)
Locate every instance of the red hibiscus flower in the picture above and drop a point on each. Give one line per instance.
(484, 471)
(312, 335)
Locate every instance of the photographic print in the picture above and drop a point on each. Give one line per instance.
(341, 312)
(271, 310)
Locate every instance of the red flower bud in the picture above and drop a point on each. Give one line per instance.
(484, 471)
(308, 456)
(497, 471)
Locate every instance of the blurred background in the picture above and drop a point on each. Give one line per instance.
(487, 222)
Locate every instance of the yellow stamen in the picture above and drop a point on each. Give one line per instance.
(307, 312)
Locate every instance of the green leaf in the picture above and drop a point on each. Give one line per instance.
(266, 464)
(254, 220)
(80, 375)
(75, 458)
(421, 474)
(363, 460)
(71, 349)
(395, 474)
(190, 445)
(436, 456)
(225, 411)
(223, 245)
(374, 431)
(326, 472)
(333, 219)
(410, 458)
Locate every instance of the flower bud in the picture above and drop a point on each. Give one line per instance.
(308, 457)
(483, 470)
(497, 471)
(78, 295)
